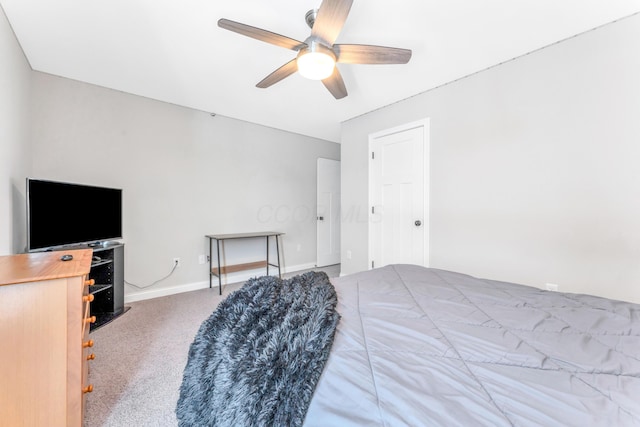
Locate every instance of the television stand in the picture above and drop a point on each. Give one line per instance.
(107, 272)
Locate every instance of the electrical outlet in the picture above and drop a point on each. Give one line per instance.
(298, 247)
(176, 262)
(202, 259)
(348, 254)
(552, 287)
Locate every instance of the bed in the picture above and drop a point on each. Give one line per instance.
(427, 347)
(405, 345)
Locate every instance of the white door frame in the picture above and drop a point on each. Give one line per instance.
(331, 218)
(425, 124)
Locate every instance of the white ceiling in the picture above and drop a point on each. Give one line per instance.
(173, 51)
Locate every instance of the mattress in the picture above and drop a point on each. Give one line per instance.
(427, 347)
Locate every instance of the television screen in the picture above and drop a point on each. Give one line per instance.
(65, 214)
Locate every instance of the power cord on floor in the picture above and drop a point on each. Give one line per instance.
(157, 281)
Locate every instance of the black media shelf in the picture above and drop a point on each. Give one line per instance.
(94, 289)
(107, 271)
(101, 262)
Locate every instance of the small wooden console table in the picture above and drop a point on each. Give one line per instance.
(220, 270)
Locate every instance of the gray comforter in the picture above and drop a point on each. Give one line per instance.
(425, 347)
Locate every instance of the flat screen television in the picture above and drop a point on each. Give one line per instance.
(66, 214)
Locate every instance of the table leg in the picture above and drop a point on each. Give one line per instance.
(219, 269)
(267, 255)
(278, 256)
(210, 263)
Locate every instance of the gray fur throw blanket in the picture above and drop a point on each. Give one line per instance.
(257, 359)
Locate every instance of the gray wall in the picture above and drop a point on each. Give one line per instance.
(535, 173)
(15, 81)
(184, 174)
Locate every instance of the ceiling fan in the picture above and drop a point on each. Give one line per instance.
(317, 55)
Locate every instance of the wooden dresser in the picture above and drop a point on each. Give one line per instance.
(44, 338)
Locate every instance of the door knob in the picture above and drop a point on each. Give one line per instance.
(418, 223)
(320, 218)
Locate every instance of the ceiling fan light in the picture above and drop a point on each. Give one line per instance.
(316, 63)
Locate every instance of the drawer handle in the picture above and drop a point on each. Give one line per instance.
(91, 319)
(91, 356)
(88, 298)
(88, 389)
(90, 282)
(87, 344)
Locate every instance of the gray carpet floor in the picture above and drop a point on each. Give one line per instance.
(140, 357)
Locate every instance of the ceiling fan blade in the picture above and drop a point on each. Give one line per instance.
(260, 34)
(335, 84)
(368, 54)
(330, 20)
(285, 71)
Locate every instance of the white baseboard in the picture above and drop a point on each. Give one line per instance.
(188, 287)
(163, 292)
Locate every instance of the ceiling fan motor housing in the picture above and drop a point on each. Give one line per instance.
(314, 45)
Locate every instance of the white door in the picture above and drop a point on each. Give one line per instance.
(328, 213)
(399, 223)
